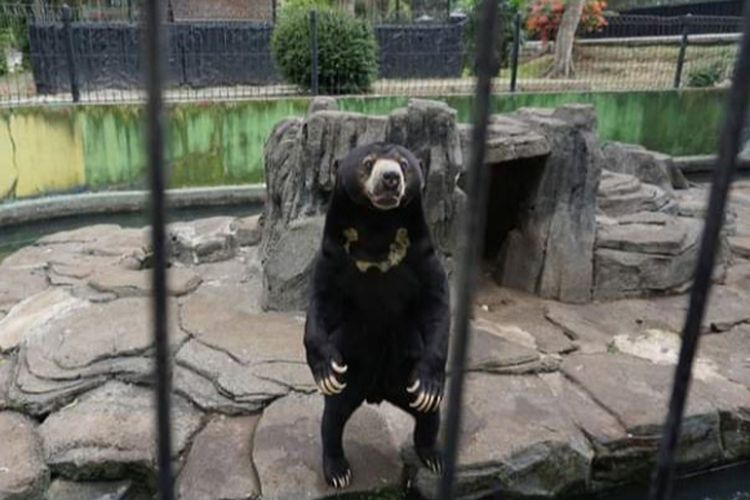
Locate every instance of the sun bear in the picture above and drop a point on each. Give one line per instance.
(378, 322)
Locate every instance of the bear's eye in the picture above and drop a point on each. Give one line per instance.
(404, 165)
(368, 164)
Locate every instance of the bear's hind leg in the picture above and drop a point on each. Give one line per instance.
(337, 411)
(425, 440)
(426, 428)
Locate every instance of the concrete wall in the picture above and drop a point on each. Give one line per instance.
(46, 150)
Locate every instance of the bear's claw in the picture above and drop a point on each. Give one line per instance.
(429, 397)
(432, 458)
(337, 472)
(327, 381)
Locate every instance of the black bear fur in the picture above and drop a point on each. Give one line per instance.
(387, 328)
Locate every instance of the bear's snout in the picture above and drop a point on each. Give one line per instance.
(386, 185)
(391, 180)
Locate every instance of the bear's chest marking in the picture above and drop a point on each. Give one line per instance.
(397, 250)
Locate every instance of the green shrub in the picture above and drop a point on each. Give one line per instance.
(347, 51)
(707, 75)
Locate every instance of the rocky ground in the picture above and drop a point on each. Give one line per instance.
(559, 398)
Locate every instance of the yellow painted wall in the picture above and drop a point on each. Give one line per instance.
(46, 153)
(8, 173)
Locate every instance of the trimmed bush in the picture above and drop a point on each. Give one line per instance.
(347, 51)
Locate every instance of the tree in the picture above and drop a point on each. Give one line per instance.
(553, 19)
(563, 63)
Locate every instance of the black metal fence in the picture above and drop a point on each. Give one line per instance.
(53, 54)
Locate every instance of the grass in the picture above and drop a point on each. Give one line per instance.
(609, 67)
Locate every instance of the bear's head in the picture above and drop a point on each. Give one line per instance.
(380, 175)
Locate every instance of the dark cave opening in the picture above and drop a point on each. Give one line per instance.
(513, 188)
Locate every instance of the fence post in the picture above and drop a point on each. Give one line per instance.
(130, 11)
(67, 18)
(683, 49)
(273, 11)
(514, 51)
(314, 52)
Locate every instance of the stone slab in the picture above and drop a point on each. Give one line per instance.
(7, 370)
(129, 283)
(672, 237)
(203, 240)
(111, 431)
(17, 284)
(515, 439)
(34, 313)
(101, 331)
(232, 378)
(219, 465)
(519, 317)
(60, 489)
(23, 473)
(287, 448)
(203, 393)
(637, 393)
(740, 245)
(247, 230)
(225, 323)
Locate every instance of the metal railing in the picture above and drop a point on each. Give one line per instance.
(467, 265)
(52, 54)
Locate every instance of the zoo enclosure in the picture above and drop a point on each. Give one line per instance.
(54, 54)
(467, 264)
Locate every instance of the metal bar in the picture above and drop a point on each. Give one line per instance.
(729, 146)
(473, 236)
(515, 50)
(683, 50)
(155, 55)
(314, 52)
(67, 18)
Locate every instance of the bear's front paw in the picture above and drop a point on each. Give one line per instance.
(428, 391)
(329, 373)
(337, 472)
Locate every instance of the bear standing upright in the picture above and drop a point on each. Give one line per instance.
(378, 322)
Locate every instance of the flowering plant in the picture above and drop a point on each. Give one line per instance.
(545, 15)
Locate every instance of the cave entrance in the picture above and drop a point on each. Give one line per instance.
(513, 188)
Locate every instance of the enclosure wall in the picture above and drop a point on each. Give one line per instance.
(47, 150)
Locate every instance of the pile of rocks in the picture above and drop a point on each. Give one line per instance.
(597, 221)
(649, 223)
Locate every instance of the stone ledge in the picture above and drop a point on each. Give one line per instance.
(52, 207)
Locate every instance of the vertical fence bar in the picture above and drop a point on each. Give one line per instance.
(683, 50)
(514, 51)
(314, 52)
(729, 146)
(473, 236)
(273, 10)
(155, 49)
(67, 19)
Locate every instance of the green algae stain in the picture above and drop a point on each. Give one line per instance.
(113, 146)
(216, 143)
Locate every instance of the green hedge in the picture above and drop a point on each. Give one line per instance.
(347, 51)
